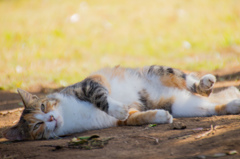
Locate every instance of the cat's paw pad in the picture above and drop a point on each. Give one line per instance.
(233, 107)
(117, 110)
(163, 117)
(207, 81)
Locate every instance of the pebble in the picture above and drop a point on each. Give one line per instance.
(178, 125)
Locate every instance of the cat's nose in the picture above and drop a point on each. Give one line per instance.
(51, 118)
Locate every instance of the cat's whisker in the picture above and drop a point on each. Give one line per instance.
(56, 136)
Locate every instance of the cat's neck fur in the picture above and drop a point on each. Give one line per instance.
(76, 117)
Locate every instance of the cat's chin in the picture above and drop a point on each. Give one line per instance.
(58, 124)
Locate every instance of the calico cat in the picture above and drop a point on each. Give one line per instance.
(122, 96)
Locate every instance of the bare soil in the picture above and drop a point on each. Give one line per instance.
(197, 140)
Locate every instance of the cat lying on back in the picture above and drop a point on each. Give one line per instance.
(122, 96)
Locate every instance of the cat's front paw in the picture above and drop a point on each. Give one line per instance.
(207, 82)
(233, 107)
(163, 117)
(117, 109)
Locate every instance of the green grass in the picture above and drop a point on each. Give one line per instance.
(38, 37)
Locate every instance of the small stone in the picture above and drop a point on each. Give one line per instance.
(178, 125)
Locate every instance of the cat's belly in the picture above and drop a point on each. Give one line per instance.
(126, 91)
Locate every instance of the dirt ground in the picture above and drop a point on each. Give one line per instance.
(197, 140)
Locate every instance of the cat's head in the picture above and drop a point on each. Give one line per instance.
(40, 118)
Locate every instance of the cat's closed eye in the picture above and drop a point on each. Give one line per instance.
(37, 125)
(42, 107)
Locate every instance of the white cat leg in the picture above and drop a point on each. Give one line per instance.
(233, 107)
(203, 86)
(117, 109)
(162, 117)
(207, 82)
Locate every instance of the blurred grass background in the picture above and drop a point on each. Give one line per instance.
(57, 42)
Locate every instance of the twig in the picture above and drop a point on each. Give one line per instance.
(15, 121)
(218, 127)
(207, 132)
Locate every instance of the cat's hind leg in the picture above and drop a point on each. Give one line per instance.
(157, 116)
(171, 77)
(232, 107)
(203, 87)
(189, 105)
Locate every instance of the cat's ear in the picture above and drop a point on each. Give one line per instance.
(27, 98)
(14, 133)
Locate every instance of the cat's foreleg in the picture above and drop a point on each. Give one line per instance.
(96, 89)
(158, 116)
(117, 109)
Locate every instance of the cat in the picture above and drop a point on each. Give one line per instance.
(122, 96)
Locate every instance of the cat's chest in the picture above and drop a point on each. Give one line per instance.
(80, 116)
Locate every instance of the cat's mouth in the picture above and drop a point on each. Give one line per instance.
(55, 120)
(55, 125)
(58, 123)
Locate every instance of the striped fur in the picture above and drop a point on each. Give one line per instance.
(94, 89)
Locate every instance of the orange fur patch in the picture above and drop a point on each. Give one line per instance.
(220, 109)
(50, 105)
(118, 72)
(138, 118)
(164, 103)
(130, 112)
(30, 117)
(173, 81)
(141, 118)
(102, 80)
